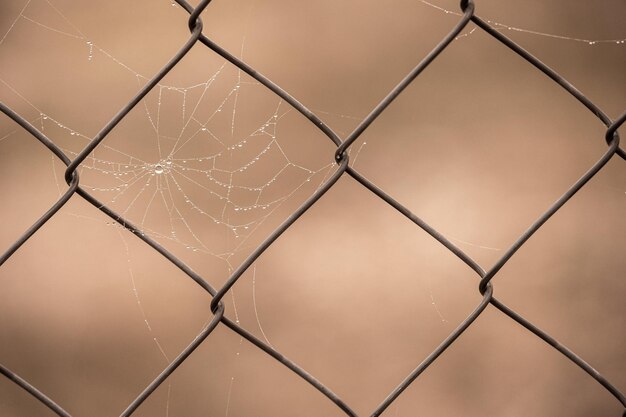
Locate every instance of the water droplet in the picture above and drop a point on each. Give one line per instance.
(158, 169)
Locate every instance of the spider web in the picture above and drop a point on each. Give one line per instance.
(188, 160)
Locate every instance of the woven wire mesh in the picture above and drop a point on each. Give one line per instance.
(343, 168)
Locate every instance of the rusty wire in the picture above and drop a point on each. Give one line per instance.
(486, 276)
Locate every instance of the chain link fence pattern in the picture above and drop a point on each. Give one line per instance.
(486, 275)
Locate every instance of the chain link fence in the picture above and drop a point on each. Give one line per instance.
(343, 168)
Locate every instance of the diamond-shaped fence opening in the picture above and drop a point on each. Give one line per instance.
(214, 194)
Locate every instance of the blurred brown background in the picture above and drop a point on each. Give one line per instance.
(478, 146)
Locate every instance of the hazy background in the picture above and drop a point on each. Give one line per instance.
(478, 146)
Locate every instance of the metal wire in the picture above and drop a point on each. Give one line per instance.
(485, 286)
